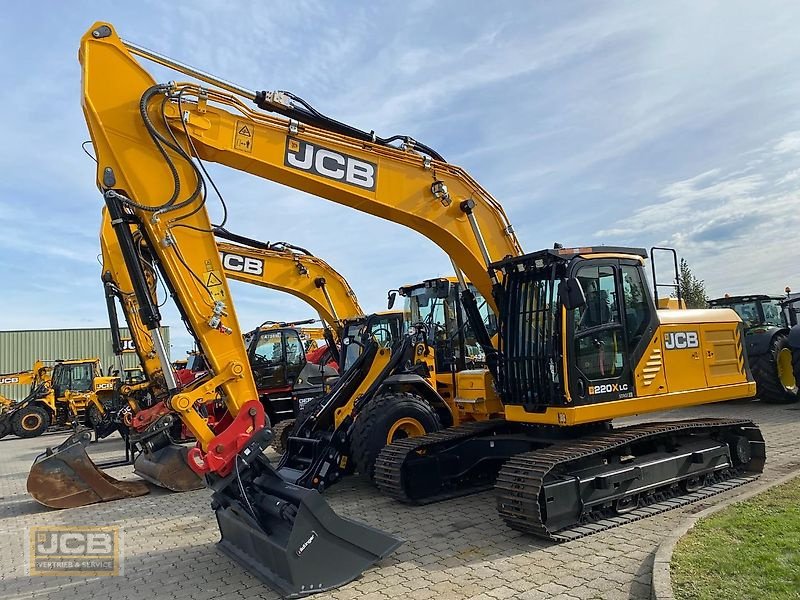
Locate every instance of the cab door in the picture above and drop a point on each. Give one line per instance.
(600, 357)
(268, 360)
(295, 355)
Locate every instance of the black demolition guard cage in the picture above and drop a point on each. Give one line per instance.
(530, 349)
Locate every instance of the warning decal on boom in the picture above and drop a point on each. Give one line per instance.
(213, 279)
(243, 140)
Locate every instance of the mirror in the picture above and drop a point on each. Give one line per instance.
(571, 293)
(391, 299)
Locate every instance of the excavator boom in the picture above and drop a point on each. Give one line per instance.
(411, 185)
(286, 268)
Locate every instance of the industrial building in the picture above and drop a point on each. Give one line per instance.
(19, 349)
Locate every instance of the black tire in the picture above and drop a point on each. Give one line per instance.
(381, 422)
(280, 433)
(94, 417)
(796, 364)
(30, 421)
(765, 369)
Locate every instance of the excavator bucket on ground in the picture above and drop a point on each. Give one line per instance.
(287, 535)
(65, 477)
(168, 468)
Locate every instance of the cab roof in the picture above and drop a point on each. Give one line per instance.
(566, 255)
(428, 282)
(725, 300)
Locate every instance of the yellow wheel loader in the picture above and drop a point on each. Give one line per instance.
(580, 341)
(60, 395)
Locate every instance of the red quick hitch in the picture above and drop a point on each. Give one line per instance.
(223, 449)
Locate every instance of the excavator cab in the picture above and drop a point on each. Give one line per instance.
(385, 328)
(436, 302)
(580, 330)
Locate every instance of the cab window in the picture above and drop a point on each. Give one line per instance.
(599, 342)
(82, 378)
(773, 313)
(601, 299)
(295, 352)
(636, 306)
(270, 347)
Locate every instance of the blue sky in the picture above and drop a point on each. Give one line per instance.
(637, 123)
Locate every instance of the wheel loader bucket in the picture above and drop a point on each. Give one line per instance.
(65, 477)
(167, 468)
(288, 536)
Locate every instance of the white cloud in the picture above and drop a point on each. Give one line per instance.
(734, 227)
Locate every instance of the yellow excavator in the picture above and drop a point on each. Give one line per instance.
(580, 341)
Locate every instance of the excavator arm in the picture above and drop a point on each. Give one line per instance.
(149, 182)
(284, 533)
(118, 287)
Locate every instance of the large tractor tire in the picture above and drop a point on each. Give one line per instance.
(30, 421)
(386, 419)
(280, 435)
(796, 365)
(773, 373)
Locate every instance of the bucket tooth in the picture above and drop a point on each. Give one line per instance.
(168, 468)
(65, 477)
(287, 535)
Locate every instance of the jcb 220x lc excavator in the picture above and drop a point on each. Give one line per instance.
(580, 340)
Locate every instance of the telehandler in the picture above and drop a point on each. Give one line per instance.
(579, 343)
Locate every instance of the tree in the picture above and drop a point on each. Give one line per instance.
(693, 290)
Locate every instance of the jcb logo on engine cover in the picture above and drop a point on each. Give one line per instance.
(678, 340)
(242, 264)
(105, 386)
(4, 380)
(329, 163)
(607, 388)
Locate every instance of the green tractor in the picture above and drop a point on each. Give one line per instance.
(767, 323)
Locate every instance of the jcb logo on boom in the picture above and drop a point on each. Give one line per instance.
(607, 388)
(128, 345)
(329, 163)
(4, 380)
(678, 340)
(242, 264)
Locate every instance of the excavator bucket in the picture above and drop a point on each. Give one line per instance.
(167, 468)
(65, 477)
(287, 535)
